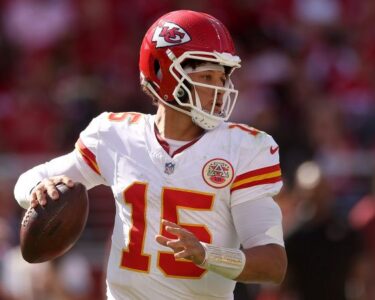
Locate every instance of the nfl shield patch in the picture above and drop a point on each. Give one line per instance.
(169, 168)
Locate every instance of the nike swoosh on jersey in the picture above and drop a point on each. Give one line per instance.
(273, 150)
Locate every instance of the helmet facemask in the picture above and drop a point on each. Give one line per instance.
(187, 96)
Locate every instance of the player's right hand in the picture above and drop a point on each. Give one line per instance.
(48, 187)
(185, 245)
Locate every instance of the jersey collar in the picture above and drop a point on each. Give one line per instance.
(164, 144)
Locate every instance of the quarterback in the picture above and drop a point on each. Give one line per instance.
(193, 192)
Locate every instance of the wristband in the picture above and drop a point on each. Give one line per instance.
(227, 262)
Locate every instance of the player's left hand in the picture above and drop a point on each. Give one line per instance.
(186, 245)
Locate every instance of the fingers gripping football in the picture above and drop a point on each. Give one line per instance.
(48, 187)
(185, 245)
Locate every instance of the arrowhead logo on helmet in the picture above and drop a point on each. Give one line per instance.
(170, 34)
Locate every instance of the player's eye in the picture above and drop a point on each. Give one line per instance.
(207, 77)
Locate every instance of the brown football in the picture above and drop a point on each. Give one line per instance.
(51, 230)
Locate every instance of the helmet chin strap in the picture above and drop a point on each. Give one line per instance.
(204, 121)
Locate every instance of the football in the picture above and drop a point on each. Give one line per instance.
(49, 231)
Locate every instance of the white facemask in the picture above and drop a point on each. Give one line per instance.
(203, 118)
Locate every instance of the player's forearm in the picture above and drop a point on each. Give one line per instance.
(266, 263)
(63, 165)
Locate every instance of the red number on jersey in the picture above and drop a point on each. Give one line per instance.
(118, 117)
(172, 200)
(253, 131)
(133, 256)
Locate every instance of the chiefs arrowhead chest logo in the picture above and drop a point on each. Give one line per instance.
(170, 34)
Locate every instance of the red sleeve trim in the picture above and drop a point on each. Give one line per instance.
(267, 175)
(87, 156)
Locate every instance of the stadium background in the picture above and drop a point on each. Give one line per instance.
(307, 78)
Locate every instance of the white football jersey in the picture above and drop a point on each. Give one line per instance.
(196, 187)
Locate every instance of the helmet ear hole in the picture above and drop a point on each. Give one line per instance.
(157, 69)
(182, 93)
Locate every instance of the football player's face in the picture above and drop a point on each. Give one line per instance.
(207, 95)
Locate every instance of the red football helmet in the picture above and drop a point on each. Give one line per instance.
(188, 35)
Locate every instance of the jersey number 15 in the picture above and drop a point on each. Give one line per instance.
(133, 256)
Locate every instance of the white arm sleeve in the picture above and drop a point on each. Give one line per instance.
(71, 165)
(258, 222)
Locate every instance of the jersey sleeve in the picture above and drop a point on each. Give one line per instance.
(88, 147)
(258, 222)
(258, 173)
(70, 165)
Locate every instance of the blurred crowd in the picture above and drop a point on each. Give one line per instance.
(307, 78)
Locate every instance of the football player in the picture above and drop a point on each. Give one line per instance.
(191, 189)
